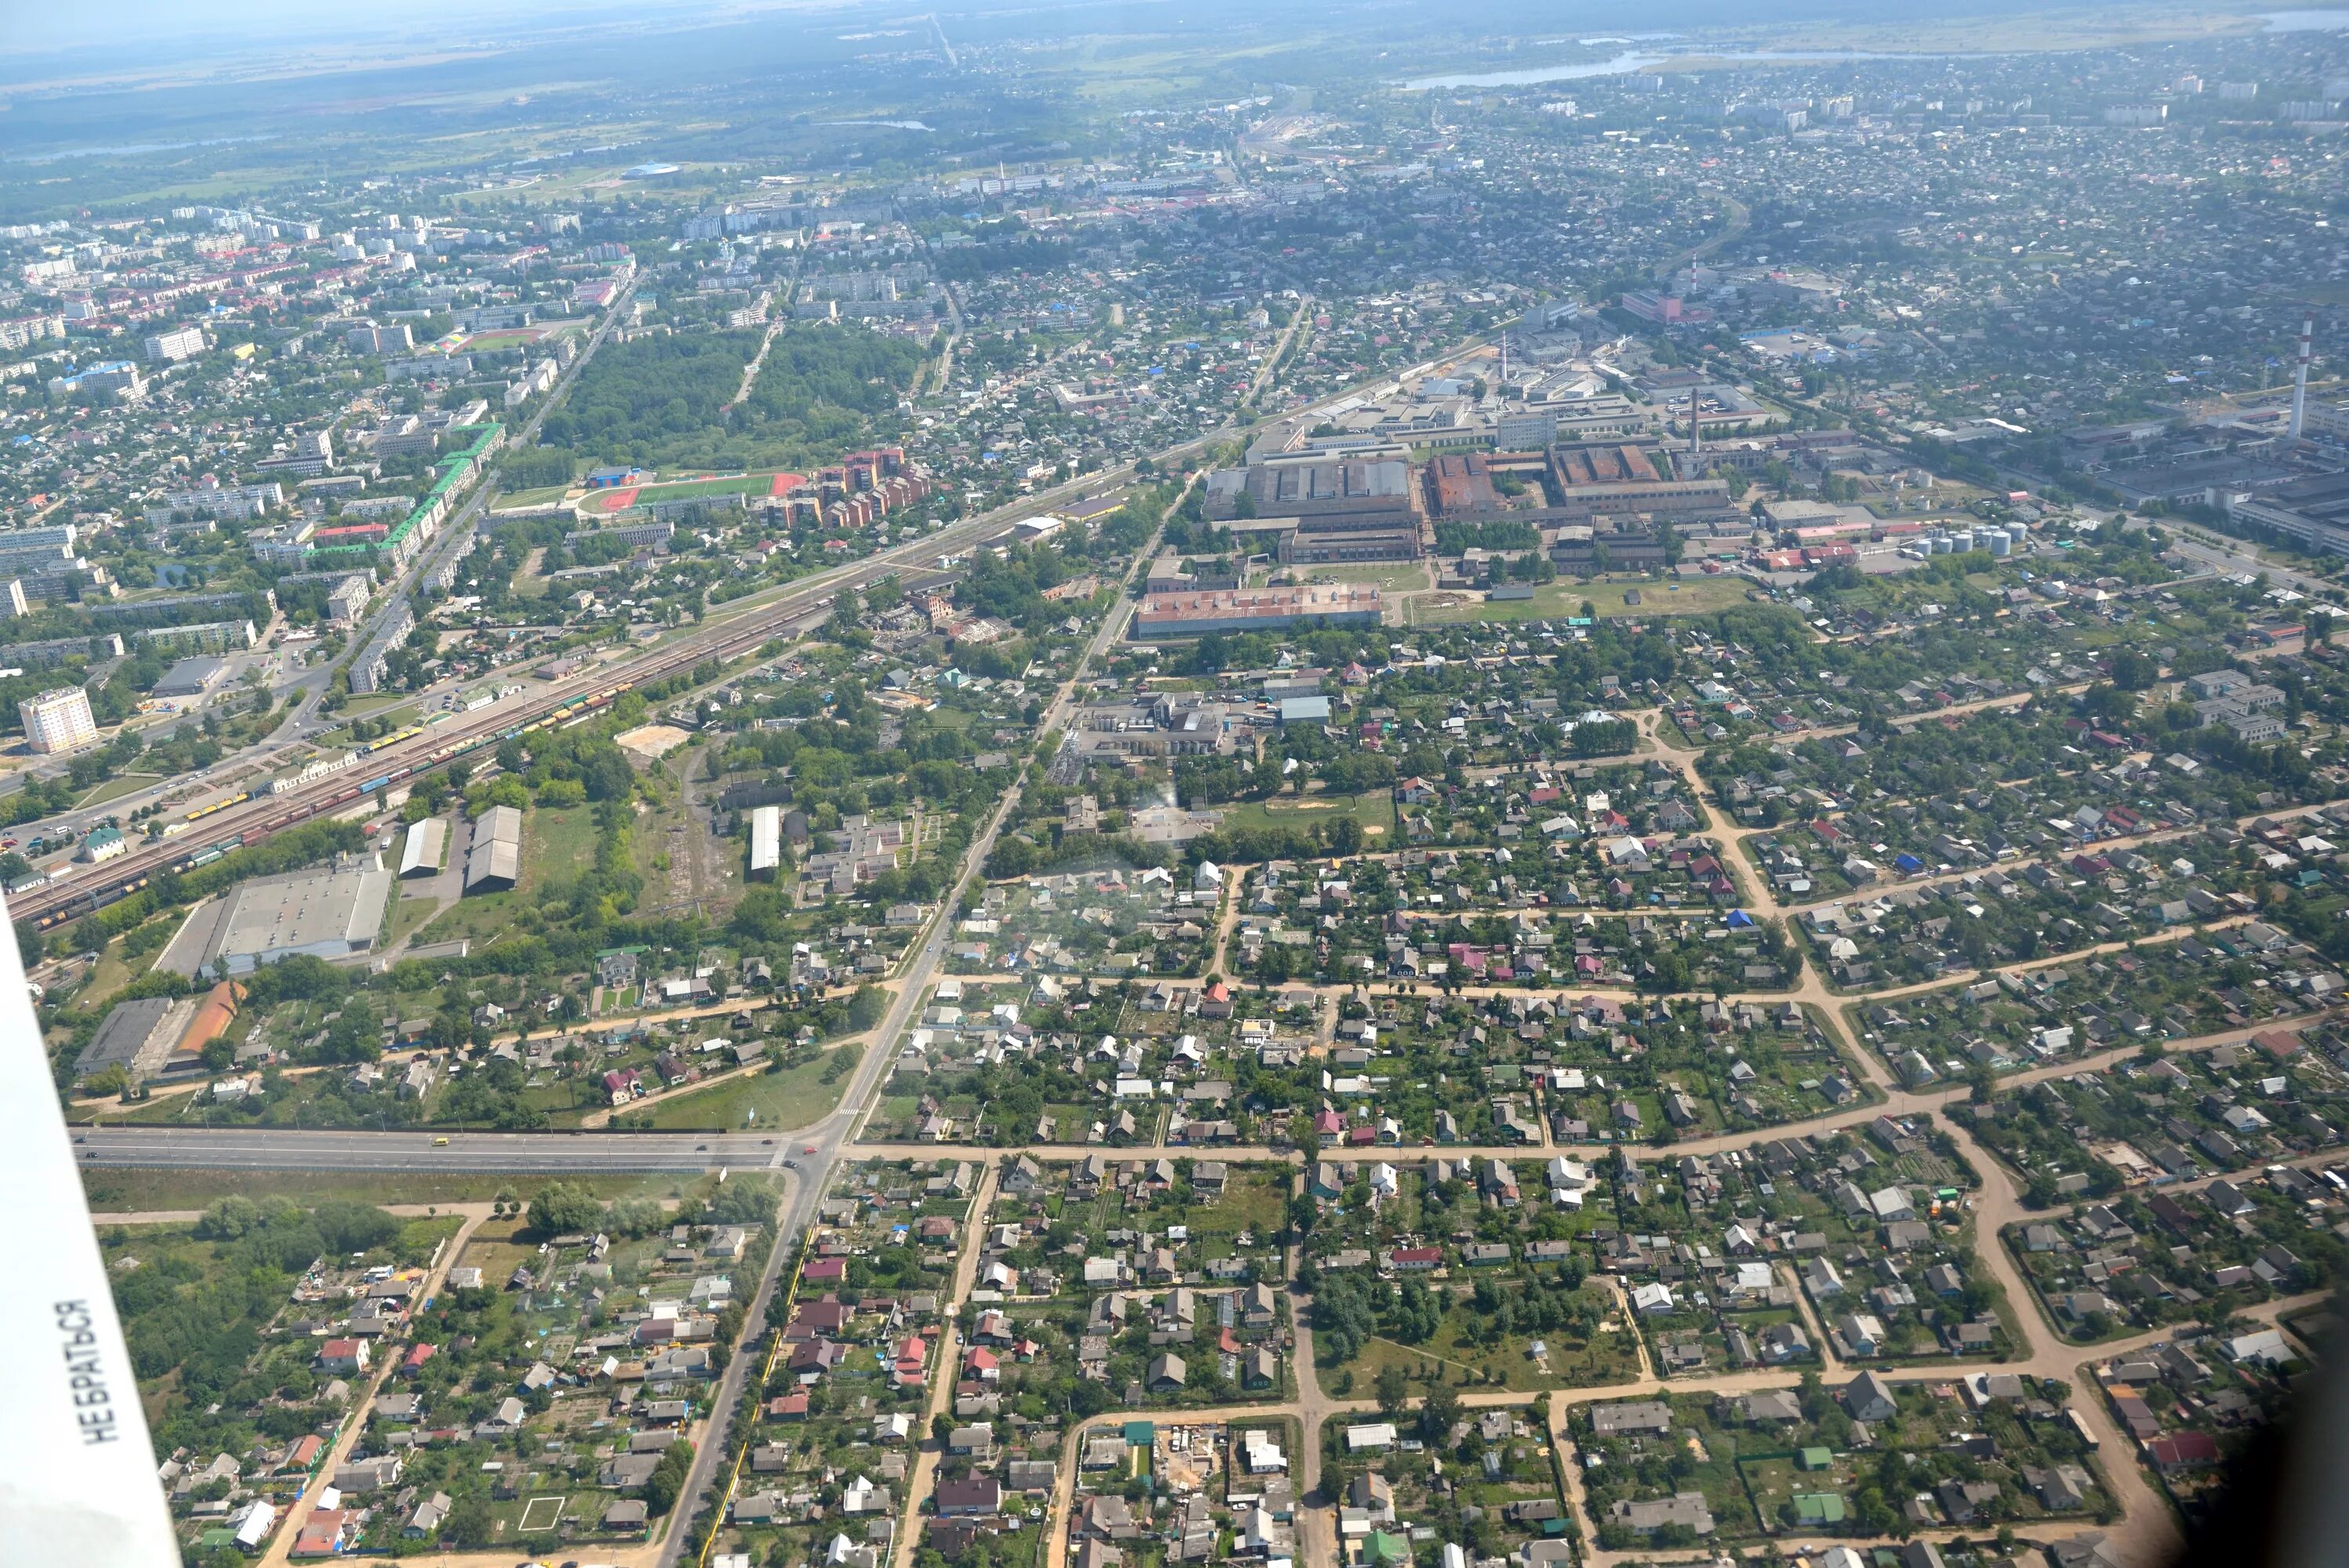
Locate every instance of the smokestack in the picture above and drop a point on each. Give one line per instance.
(2300, 378)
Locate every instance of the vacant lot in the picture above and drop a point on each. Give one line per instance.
(1564, 599)
(795, 1097)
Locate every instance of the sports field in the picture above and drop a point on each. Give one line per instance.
(503, 338)
(686, 489)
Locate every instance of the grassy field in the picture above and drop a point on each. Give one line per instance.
(115, 789)
(1604, 1358)
(794, 1098)
(1562, 600)
(134, 1192)
(724, 484)
(405, 917)
(114, 972)
(477, 916)
(1375, 812)
(389, 708)
(558, 843)
(499, 337)
(539, 495)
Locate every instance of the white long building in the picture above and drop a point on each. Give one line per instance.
(766, 842)
(428, 842)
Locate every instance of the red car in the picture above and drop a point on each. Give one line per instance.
(807, 1148)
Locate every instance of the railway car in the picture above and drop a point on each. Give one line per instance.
(204, 811)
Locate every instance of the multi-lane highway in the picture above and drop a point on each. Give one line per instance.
(278, 1148)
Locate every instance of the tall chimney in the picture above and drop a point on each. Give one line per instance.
(2300, 378)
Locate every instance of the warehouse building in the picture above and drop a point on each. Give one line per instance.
(766, 842)
(494, 863)
(1257, 610)
(426, 849)
(328, 912)
(137, 1037)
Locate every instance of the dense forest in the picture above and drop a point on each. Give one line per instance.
(666, 402)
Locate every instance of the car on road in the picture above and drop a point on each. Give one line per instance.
(807, 1148)
(440, 1143)
(791, 1164)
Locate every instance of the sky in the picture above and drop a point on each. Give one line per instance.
(137, 31)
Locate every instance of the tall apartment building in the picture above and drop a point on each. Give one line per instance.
(57, 720)
(174, 343)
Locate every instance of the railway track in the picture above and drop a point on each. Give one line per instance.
(238, 823)
(216, 829)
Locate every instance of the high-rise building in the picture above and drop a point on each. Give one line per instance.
(174, 343)
(57, 720)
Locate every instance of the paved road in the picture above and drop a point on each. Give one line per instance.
(277, 1148)
(814, 1152)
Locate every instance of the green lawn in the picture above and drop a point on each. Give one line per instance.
(1374, 811)
(115, 789)
(782, 1100)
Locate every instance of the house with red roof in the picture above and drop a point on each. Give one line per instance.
(343, 1355)
(321, 1534)
(2182, 1451)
